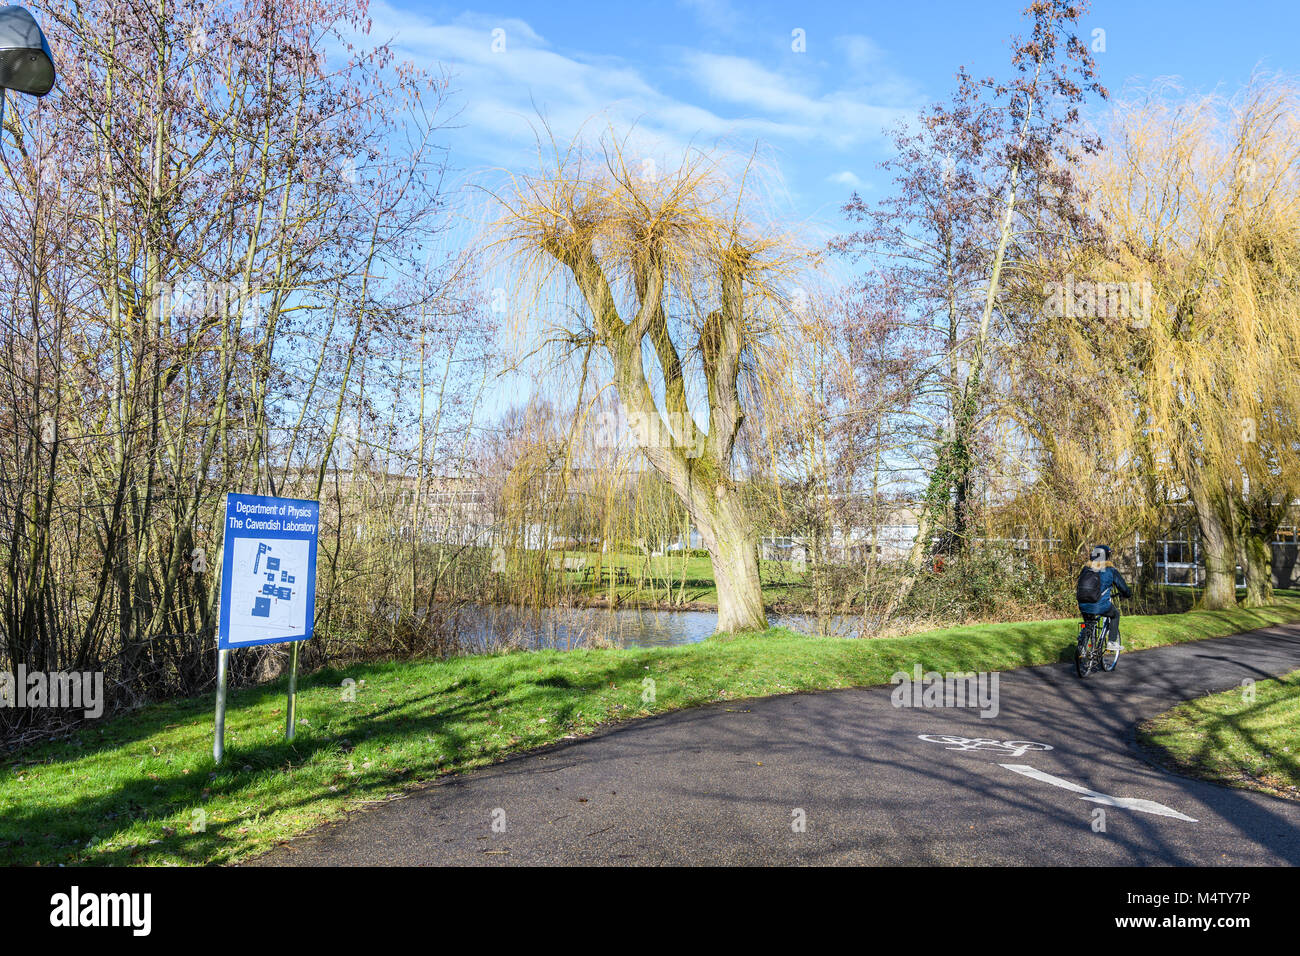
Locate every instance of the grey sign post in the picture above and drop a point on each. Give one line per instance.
(219, 739)
(291, 705)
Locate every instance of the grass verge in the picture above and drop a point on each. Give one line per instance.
(142, 789)
(1248, 737)
(658, 581)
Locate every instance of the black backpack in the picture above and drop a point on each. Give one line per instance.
(1087, 590)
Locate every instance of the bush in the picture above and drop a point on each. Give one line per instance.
(999, 581)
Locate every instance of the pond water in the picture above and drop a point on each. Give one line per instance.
(495, 627)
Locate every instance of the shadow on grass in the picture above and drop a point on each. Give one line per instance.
(1232, 746)
(282, 776)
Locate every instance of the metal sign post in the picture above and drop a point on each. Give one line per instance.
(219, 741)
(268, 587)
(290, 707)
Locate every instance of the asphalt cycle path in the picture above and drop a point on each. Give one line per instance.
(846, 777)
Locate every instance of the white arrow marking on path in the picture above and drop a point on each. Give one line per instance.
(1128, 803)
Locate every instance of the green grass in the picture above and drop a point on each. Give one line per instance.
(1246, 737)
(128, 790)
(657, 580)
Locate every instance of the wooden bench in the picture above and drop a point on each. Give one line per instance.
(615, 573)
(566, 563)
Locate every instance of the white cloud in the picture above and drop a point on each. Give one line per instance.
(862, 54)
(717, 15)
(501, 93)
(845, 177)
(838, 119)
(735, 79)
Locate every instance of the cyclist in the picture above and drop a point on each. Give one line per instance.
(1093, 591)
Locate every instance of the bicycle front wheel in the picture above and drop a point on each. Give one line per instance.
(1109, 658)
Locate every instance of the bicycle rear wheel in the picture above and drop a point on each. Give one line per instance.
(1085, 655)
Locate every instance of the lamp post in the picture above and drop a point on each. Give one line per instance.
(25, 61)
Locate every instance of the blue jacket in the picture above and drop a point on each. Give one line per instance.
(1110, 578)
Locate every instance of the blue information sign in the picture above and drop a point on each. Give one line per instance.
(268, 570)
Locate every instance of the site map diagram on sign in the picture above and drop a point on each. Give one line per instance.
(269, 570)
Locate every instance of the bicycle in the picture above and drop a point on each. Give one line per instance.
(1093, 648)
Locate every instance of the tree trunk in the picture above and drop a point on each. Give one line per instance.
(728, 535)
(1259, 511)
(1145, 580)
(735, 571)
(1220, 573)
(1216, 547)
(1257, 560)
(961, 510)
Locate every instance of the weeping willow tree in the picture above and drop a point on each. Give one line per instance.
(1183, 323)
(1248, 365)
(680, 288)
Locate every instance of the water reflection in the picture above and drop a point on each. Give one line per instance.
(481, 628)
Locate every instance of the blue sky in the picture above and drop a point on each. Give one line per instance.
(725, 71)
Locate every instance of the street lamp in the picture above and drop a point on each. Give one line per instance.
(25, 61)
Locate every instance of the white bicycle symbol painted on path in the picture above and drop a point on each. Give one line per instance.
(1003, 748)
